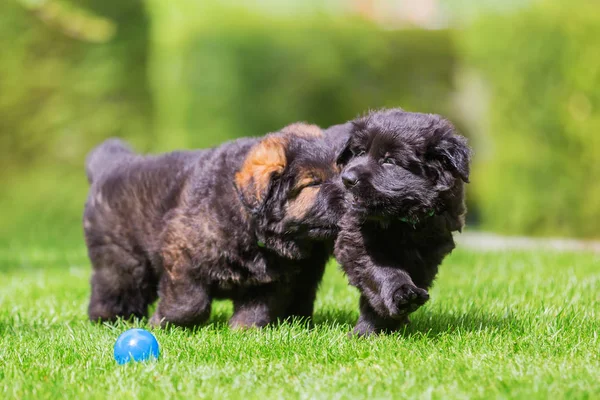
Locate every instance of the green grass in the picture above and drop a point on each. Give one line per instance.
(499, 325)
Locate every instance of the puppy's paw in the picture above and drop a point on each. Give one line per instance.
(407, 299)
(366, 328)
(248, 319)
(157, 321)
(363, 329)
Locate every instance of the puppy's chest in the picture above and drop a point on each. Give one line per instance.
(225, 266)
(216, 250)
(389, 245)
(401, 241)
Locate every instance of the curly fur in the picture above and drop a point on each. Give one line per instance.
(404, 173)
(252, 220)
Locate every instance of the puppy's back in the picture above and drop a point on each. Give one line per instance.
(130, 193)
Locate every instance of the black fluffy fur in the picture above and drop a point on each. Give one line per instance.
(404, 173)
(252, 220)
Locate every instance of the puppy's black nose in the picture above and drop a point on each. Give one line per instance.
(350, 178)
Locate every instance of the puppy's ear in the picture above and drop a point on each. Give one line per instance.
(453, 152)
(265, 162)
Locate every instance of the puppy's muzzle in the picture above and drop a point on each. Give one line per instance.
(350, 178)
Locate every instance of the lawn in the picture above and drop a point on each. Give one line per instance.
(499, 325)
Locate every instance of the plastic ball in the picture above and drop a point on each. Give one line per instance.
(136, 345)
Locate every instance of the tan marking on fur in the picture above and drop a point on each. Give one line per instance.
(299, 206)
(308, 176)
(336, 168)
(265, 159)
(303, 182)
(181, 236)
(174, 252)
(303, 130)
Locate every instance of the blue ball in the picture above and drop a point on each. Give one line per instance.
(136, 345)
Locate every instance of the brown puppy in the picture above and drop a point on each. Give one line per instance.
(404, 173)
(252, 220)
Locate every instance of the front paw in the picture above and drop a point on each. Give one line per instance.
(365, 327)
(247, 319)
(157, 321)
(405, 300)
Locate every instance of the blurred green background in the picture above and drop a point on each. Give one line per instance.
(520, 78)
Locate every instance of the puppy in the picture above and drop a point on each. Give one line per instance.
(405, 174)
(252, 220)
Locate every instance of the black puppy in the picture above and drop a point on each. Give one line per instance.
(404, 172)
(252, 220)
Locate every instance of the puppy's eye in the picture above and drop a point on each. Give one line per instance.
(295, 192)
(388, 160)
(313, 184)
(299, 188)
(358, 152)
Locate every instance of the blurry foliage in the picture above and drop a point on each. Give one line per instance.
(71, 20)
(62, 90)
(214, 74)
(224, 73)
(58, 93)
(185, 73)
(542, 175)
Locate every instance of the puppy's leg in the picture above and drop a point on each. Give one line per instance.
(398, 292)
(371, 322)
(388, 296)
(407, 298)
(304, 292)
(391, 292)
(260, 306)
(123, 284)
(183, 301)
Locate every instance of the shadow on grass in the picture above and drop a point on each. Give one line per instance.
(17, 325)
(335, 319)
(432, 324)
